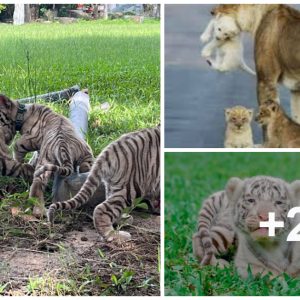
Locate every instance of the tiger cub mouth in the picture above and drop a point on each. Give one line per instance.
(262, 233)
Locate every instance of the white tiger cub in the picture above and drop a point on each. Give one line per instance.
(246, 203)
(226, 43)
(238, 132)
(129, 168)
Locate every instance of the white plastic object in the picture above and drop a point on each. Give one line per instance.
(79, 109)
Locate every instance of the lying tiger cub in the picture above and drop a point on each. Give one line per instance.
(235, 214)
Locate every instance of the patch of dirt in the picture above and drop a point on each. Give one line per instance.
(71, 258)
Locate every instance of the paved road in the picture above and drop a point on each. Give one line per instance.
(195, 95)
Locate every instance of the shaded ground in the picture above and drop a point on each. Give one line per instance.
(196, 95)
(71, 259)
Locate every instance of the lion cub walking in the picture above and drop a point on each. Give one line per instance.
(238, 129)
(282, 131)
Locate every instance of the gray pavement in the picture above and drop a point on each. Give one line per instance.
(195, 95)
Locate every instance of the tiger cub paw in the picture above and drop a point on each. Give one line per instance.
(126, 219)
(118, 236)
(222, 263)
(39, 212)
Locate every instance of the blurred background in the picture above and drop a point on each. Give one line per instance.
(196, 95)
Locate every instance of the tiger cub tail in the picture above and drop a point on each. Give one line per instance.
(215, 233)
(85, 193)
(62, 171)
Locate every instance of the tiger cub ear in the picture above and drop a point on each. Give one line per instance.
(295, 187)
(5, 101)
(234, 184)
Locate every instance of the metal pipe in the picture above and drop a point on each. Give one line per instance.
(53, 96)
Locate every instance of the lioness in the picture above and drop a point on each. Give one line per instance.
(276, 30)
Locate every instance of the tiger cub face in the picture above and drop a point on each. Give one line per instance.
(267, 112)
(6, 134)
(238, 118)
(253, 198)
(6, 137)
(7, 130)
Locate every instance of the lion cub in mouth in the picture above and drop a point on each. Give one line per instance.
(238, 129)
(282, 131)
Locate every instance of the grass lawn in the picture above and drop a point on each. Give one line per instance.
(189, 179)
(119, 62)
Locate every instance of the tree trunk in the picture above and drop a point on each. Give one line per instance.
(148, 9)
(27, 13)
(34, 8)
(19, 14)
(105, 13)
(158, 11)
(95, 11)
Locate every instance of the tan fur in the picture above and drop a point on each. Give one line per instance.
(276, 30)
(282, 132)
(238, 132)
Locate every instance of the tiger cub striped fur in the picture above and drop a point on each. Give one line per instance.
(129, 168)
(9, 166)
(41, 129)
(246, 203)
(215, 232)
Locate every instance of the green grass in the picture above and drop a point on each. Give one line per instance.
(119, 61)
(189, 179)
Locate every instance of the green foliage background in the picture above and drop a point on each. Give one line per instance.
(189, 179)
(118, 61)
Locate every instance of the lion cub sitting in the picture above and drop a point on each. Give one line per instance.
(238, 130)
(282, 131)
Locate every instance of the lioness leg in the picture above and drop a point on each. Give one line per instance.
(295, 106)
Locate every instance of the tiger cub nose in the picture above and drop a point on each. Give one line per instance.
(263, 216)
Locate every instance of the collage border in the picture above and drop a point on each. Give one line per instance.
(162, 113)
